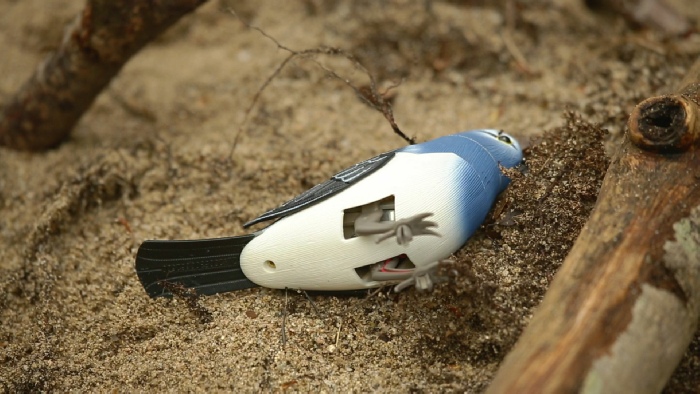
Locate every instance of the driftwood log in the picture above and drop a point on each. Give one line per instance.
(94, 48)
(624, 306)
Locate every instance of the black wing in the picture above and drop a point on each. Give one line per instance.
(318, 193)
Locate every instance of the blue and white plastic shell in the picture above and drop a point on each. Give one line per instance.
(456, 177)
(327, 238)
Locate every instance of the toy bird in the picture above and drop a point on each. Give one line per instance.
(337, 235)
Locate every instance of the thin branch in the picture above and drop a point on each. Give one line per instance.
(313, 304)
(284, 318)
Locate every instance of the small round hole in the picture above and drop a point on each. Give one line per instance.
(270, 265)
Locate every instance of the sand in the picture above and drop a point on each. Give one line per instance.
(153, 159)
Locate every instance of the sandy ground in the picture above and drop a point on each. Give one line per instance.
(153, 160)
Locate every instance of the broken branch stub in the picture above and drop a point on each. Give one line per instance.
(667, 123)
(93, 50)
(623, 308)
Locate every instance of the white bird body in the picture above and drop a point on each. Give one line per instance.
(309, 250)
(335, 236)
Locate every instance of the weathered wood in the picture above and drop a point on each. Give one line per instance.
(94, 48)
(625, 304)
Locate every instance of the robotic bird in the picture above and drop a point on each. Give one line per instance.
(335, 235)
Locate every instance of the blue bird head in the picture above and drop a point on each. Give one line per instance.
(484, 149)
(503, 147)
(473, 145)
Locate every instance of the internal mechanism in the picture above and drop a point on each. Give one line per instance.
(386, 204)
(393, 269)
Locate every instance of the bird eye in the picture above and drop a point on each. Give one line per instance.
(505, 138)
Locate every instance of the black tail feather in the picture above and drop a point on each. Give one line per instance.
(209, 266)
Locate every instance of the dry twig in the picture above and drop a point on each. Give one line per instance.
(372, 97)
